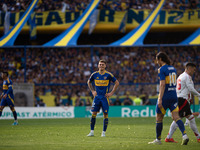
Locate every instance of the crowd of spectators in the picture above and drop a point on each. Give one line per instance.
(134, 67)
(77, 5)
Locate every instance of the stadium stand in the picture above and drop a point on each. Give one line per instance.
(64, 71)
(118, 5)
(135, 68)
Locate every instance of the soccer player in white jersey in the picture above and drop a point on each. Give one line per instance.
(184, 89)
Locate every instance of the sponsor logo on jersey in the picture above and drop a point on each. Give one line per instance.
(5, 87)
(101, 82)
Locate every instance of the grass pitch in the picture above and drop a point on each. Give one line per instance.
(122, 134)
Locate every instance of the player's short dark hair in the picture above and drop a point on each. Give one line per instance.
(103, 61)
(164, 57)
(190, 64)
(5, 72)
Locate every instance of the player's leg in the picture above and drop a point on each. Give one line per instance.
(159, 127)
(196, 114)
(186, 111)
(92, 123)
(105, 124)
(187, 122)
(179, 122)
(182, 111)
(14, 115)
(105, 107)
(10, 103)
(1, 110)
(172, 129)
(2, 105)
(95, 109)
(160, 112)
(193, 126)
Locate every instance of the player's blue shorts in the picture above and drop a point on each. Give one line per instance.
(7, 102)
(99, 102)
(171, 103)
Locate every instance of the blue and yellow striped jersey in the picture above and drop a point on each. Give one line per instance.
(102, 82)
(8, 87)
(168, 73)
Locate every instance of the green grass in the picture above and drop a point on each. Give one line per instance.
(122, 134)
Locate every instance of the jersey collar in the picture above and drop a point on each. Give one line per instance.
(102, 73)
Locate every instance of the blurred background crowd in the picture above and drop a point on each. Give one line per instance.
(134, 67)
(64, 72)
(77, 5)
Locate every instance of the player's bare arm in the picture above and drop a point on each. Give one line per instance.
(191, 88)
(5, 96)
(94, 93)
(161, 92)
(1, 96)
(114, 89)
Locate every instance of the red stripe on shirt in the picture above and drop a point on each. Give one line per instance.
(183, 105)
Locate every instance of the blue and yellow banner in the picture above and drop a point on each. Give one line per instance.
(194, 39)
(33, 31)
(9, 38)
(70, 36)
(122, 26)
(57, 21)
(136, 36)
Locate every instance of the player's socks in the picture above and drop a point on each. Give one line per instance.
(105, 124)
(15, 115)
(187, 122)
(159, 127)
(92, 122)
(172, 129)
(181, 126)
(193, 126)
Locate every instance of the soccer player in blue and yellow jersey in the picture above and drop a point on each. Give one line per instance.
(7, 97)
(167, 97)
(102, 80)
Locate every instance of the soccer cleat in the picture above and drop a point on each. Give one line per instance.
(185, 140)
(103, 134)
(198, 140)
(171, 140)
(155, 142)
(90, 134)
(15, 123)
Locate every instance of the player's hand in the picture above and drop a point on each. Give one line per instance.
(4, 97)
(160, 103)
(94, 93)
(109, 94)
